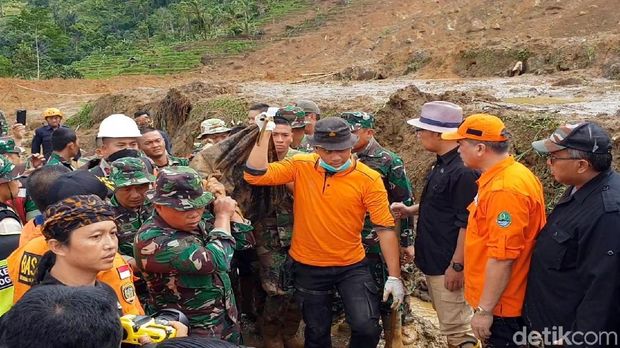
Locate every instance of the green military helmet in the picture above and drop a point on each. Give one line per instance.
(129, 171)
(294, 115)
(180, 188)
(7, 145)
(8, 171)
(358, 119)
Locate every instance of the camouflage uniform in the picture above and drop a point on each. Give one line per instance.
(177, 161)
(4, 124)
(296, 116)
(129, 171)
(281, 314)
(188, 270)
(23, 205)
(55, 159)
(305, 146)
(399, 189)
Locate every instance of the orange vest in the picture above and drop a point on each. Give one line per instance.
(22, 267)
(29, 232)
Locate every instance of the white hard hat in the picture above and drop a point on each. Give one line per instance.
(118, 126)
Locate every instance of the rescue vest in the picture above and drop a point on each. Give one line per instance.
(23, 263)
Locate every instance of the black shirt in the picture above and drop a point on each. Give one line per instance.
(574, 278)
(48, 279)
(450, 188)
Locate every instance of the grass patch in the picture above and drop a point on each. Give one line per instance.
(83, 118)
(159, 59)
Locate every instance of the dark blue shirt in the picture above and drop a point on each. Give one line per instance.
(43, 138)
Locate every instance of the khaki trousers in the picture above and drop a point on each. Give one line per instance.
(453, 312)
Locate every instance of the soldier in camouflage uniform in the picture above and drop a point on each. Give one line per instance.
(312, 114)
(65, 146)
(130, 203)
(281, 315)
(185, 259)
(399, 189)
(153, 145)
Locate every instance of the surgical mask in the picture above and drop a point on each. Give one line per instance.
(333, 169)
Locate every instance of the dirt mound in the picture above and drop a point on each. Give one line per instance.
(178, 110)
(525, 127)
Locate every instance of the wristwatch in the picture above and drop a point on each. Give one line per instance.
(482, 311)
(457, 266)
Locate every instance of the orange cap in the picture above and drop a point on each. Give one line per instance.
(483, 127)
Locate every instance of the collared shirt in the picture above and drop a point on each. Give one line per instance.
(574, 280)
(56, 159)
(504, 220)
(174, 162)
(450, 188)
(398, 186)
(329, 209)
(43, 138)
(129, 222)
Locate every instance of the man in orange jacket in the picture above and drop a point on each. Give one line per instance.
(504, 220)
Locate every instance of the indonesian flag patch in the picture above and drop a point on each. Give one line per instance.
(123, 272)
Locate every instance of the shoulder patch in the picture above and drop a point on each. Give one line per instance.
(123, 272)
(28, 268)
(129, 292)
(504, 219)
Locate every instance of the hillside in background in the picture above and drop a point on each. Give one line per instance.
(102, 38)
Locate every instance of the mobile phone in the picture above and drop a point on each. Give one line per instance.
(21, 116)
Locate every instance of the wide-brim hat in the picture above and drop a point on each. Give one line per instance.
(16, 172)
(439, 117)
(332, 133)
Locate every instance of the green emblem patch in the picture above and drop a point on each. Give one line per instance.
(504, 219)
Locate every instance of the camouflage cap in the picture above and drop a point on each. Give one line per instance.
(180, 188)
(129, 171)
(7, 145)
(213, 126)
(8, 170)
(358, 119)
(294, 115)
(585, 136)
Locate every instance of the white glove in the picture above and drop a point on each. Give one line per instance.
(265, 122)
(394, 286)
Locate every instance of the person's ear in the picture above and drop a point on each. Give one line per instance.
(582, 166)
(57, 247)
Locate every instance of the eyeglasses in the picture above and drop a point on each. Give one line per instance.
(552, 158)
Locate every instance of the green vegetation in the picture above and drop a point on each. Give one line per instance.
(101, 38)
(83, 118)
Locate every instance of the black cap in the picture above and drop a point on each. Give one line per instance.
(79, 182)
(332, 133)
(586, 137)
